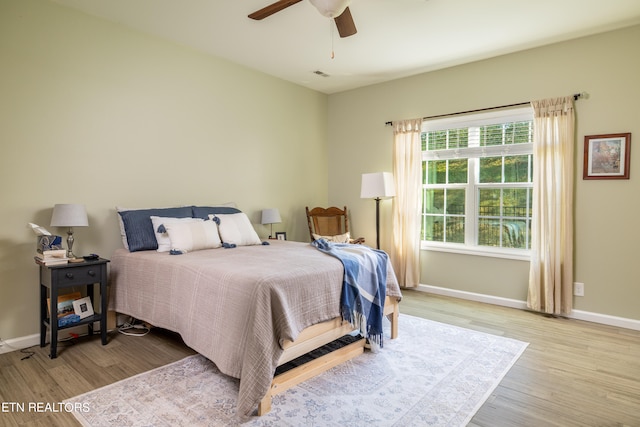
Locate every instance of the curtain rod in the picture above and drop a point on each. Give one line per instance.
(576, 96)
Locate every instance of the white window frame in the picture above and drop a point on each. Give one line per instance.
(474, 153)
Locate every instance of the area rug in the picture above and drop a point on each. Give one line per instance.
(433, 374)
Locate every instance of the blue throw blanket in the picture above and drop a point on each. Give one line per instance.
(364, 286)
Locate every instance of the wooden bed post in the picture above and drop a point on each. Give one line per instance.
(393, 318)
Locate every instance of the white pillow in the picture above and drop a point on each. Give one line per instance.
(193, 236)
(236, 229)
(339, 238)
(164, 242)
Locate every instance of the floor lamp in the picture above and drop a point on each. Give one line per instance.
(377, 186)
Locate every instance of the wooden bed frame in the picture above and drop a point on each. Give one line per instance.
(315, 337)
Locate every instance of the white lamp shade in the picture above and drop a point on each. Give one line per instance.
(330, 8)
(271, 216)
(69, 215)
(378, 184)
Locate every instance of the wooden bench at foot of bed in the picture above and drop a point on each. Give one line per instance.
(315, 337)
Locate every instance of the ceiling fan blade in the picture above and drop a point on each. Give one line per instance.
(345, 24)
(272, 8)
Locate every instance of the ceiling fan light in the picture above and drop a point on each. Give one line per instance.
(330, 8)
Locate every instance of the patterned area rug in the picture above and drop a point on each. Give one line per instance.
(432, 375)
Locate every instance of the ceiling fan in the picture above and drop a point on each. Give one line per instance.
(336, 9)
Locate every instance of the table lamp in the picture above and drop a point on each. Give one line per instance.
(271, 216)
(69, 215)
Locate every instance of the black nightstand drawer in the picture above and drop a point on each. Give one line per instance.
(79, 275)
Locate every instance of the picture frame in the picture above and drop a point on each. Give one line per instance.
(607, 156)
(281, 235)
(64, 305)
(82, 307)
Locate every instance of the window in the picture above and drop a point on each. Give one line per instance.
(477, 183)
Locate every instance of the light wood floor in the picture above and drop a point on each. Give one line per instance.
(573, 373)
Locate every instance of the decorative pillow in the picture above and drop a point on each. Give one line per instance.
(204, 211)
(123, 234)
(339, 238)
(236, 229)
(138, 229)
(193, 236)
(159, 227)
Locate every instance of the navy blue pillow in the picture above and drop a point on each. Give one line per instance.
(204, 211)
(139, 228)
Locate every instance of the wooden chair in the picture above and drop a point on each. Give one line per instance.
(329, 222)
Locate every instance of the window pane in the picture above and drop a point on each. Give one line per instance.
(509, 132)
(514, 202)
(489, 232)
(516, 168)
(489, 202)
(436, 172)
(458, 171)
(437, 140)
(515, 234)
(432, 228)
(491, 169)
(455, 202)
(459, 138)
(455, 229)
(491, 135)
(433, 202)
(523, 132)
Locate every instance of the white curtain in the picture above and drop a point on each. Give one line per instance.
(405, 251)
(551, 271)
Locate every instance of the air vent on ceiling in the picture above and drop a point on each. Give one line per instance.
(321, 73)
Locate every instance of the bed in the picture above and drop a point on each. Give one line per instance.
(247, 308)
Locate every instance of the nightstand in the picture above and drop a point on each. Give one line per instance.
(56, 277)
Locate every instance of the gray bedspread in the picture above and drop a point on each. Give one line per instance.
(234, 306)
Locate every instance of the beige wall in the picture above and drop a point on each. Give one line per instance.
(93, 113)
(605, 66)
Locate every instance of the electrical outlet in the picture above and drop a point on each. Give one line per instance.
(578, 289)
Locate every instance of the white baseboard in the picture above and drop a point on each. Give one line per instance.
(13, 344)
(604, 319)
(19, 343)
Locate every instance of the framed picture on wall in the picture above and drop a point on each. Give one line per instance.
(281, 235)
(607, 156)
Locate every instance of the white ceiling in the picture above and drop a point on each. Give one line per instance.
(396, 38)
